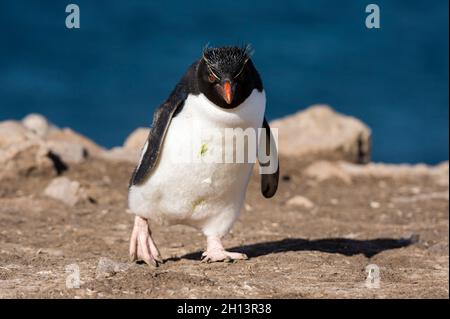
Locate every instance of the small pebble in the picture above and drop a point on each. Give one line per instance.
(375, 205)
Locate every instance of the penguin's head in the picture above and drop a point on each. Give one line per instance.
(226, 75)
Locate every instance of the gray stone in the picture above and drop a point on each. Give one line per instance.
(37, 124)
(108, 268)
(64, 190)
(300, 201)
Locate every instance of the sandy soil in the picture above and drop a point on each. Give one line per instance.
(399, 225)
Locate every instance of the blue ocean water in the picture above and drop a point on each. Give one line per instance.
(107, 77)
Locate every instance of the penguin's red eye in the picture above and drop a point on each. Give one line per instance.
(211, 78)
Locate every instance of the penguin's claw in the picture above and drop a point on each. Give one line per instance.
(142, 246)
(221, 255)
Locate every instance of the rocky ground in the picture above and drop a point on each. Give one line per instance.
(63, 212)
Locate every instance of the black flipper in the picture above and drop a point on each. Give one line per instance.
(161, 121)
(269, 182)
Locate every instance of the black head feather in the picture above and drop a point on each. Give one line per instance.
(228, 60)
(229, 66)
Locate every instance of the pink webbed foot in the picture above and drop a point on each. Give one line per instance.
(142, 246)
(216, 253)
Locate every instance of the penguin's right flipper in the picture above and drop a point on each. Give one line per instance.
(161, 121)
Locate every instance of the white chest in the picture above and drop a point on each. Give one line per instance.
(201, 131)
(192, 179)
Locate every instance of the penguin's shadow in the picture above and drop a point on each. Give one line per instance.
(344, 246)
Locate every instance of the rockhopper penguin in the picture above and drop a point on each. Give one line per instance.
(220, 91)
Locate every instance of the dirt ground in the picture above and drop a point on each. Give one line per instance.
(398, 225)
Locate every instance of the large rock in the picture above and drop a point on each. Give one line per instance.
(13, 133)
(26, 145)
(69, 136)
(321, 133)
(23, 152)
(26, 158)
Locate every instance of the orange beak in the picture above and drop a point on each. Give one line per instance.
(227, 92)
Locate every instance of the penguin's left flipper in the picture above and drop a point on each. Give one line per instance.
(161, 121)
(269, 181)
